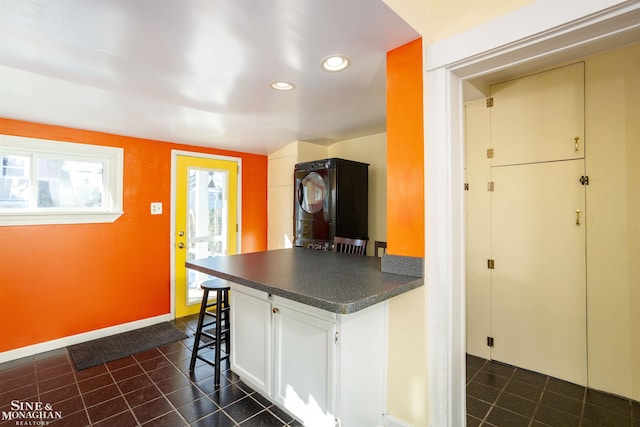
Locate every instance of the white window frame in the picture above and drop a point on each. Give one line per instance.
(113, 159)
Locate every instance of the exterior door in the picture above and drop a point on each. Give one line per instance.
(206, 221)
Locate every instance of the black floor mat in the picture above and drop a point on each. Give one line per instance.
(107, 349)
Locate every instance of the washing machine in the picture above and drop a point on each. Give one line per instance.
(330, 199)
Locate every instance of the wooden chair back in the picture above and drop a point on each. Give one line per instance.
(350, 246)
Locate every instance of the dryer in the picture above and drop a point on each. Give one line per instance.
(330, 199)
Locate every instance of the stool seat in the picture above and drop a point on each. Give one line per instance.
(219, 331)
(215, 284)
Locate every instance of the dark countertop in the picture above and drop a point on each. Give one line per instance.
(335, 282)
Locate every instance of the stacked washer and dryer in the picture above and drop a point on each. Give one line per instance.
(330, 199)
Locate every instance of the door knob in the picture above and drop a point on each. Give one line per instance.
(180, 245)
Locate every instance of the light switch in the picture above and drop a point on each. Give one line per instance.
(156, 208)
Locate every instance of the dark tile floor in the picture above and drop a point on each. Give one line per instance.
(152, 388)
(505, 396)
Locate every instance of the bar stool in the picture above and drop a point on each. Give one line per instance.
(221, 326)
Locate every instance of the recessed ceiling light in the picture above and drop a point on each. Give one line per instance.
(282, 85)
(335, 62)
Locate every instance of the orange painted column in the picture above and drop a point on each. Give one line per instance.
(405, 151)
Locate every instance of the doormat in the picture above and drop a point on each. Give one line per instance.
(103, 350)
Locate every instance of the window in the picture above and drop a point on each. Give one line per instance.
(51, 182)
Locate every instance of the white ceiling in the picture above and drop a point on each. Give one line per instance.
(198, 71)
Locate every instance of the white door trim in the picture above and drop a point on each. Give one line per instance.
(542, 31)
(172, 239)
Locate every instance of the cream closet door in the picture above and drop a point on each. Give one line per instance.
(538, 283)
(538, 118)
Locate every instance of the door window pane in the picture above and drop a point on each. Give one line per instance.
(206, 222)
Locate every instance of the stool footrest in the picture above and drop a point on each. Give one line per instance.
(209, 344)
(210, 335)
(213, 313)
(211, 362)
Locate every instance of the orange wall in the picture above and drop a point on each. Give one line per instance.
(62, 280)
(405, 151)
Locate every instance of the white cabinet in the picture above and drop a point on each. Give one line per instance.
(304, 365)
(251, 338)
(327, 369)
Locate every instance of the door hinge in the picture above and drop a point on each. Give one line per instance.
(491, 264)
(466, 186)
(490, 102)
(489, 153)
(584, 180)
(336, 338)
(490, 186)
(490, 341)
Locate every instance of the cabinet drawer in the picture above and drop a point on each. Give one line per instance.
(303, 308)
(249, 291)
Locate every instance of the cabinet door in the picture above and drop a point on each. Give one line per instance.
(251, 340)
(539, 118)
(304, 371)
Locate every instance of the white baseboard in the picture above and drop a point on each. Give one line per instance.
(391, 421)
(76, 339)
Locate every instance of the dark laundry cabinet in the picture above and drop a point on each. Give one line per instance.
(331, 199)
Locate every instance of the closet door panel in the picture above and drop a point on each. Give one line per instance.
(538, 118)
(539, 281)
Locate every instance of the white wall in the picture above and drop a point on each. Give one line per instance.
(613, 220)
(281, 164)
(373, 150)
(280, 196)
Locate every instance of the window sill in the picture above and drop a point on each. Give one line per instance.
(50, 218)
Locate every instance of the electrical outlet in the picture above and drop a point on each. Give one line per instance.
(156, 208)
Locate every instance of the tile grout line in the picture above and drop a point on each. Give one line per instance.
(584, 404)
(191, 383)
(199, 387)
(222, 409)
(538, 403)
(494, 404)
(122, 394)
(162, 393)
(77, 383)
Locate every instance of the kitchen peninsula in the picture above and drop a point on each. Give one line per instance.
(309, 330)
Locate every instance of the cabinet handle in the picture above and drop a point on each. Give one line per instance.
(578, 217)
(275, 310)
(576, 139)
